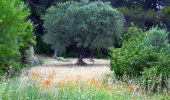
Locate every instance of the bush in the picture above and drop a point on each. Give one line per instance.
(141, 52)
(15, 33)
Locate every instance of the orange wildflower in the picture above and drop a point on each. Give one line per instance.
(60, 83)
(94, 81)
(134, 87)
(46, 82)
(35, 74)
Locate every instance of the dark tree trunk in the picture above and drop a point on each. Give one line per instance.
(80, 61)
(24, 59)
(91, 56)
(55, 54)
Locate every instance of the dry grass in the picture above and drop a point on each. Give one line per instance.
(60, 70)
(57, 80)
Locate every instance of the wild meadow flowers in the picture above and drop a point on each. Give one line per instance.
(39, 88)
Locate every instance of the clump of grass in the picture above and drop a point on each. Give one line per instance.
(15, 90)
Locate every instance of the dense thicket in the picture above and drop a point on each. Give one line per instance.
(85, 25)
(144, 13)
(143, 53)
(15, 33)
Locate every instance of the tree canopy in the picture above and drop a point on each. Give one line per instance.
(92, 25)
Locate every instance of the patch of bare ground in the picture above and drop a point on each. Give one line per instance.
(61, 70)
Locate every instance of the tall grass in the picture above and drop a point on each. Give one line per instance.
(14, 89)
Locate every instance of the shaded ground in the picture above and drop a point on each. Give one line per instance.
(60, 70)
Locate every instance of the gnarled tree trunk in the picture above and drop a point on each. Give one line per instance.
(82, 51)
(55, 54)
(80, 61)
(91, 56)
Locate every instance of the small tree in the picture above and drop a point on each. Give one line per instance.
(15, 33)
(92, 25)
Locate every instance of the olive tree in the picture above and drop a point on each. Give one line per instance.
(85, 25)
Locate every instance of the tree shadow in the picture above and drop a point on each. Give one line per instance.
(74, 66)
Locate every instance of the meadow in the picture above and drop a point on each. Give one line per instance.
(31, 86)
(84, 50)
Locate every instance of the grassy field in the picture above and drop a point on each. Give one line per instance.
(51, 81)
(72, 89)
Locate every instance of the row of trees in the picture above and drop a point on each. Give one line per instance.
(146, 4)
(144, 13)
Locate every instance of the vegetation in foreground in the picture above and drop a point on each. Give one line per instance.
(72, 89)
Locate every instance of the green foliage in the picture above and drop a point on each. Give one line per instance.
(145, 4)
(144, 13)
(158, 38)
(141, 52)
(26, 41)
(166, 13)
(39, 7)
(15, 33)
(102, 53)
(165, 16)
(122, 57)
(92, 25)
(142, 18)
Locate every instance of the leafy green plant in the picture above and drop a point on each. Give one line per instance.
(15, 33)
(141, 52)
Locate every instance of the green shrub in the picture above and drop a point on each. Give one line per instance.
(126, 59)
(15, 33)
(141, 52)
